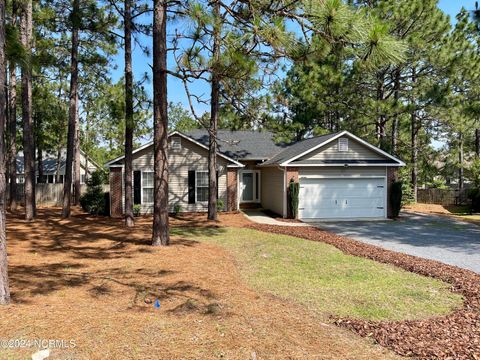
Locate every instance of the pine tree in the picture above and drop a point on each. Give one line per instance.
(72, 108)
(4, 286)
(26, 26)
(161, 234)
(12, 118)
(130, 11)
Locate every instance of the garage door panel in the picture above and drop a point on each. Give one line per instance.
(342, 198)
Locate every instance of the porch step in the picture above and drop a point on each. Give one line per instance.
(250, 206)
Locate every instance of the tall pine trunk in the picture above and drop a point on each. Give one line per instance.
(415, 127)
(129, 124)
(214, 109)
(396, 119)
(72, 111)
(57, 169)
(12, 136)
(461, 160)
(381, 118)
(28, 138)
(4, 287)
(12, 124)
(477, 143)
(160, 235)
(40, 171)
(76, 159)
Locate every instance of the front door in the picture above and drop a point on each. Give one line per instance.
(250, 186)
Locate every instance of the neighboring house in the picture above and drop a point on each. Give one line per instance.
(51, 166)
(340, 175)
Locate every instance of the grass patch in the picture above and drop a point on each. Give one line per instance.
(326, 280)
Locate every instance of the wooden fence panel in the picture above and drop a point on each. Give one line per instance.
(442, 196)
(48, 194)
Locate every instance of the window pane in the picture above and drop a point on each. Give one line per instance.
(247, 179)
(148, 196)
(147, 179)
(202, 193)
(202, 178)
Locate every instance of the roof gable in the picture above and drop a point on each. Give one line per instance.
(323, 150)
(147, 148)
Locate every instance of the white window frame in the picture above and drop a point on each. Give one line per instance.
(196, 186)
(343, 144)
(259, 193)
(142, 202)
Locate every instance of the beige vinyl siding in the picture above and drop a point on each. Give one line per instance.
(340, 172)
(189, 157)
(356, 151)
(272, 189)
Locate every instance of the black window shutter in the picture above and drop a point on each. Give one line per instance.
(137, 187)
(217, 184)
(191, 186)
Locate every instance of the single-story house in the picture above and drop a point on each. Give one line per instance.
(52, 165)
(341, 176)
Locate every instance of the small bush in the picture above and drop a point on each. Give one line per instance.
(220, 205)
(94, 199)
(293, 191)
(474, 195)
(177, 209)
(408, 197)
(396, 193)
(137, 209)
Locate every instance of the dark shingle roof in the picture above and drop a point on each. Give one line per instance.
(50, 162)
(241, 144)
(343, 162)
(49, 165)
(298, 148)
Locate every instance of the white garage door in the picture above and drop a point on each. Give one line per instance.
(342, 198)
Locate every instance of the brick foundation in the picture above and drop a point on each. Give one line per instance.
(232, 181)
(116, 193)
(392, 176)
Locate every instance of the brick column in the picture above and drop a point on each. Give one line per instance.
(392, 176)
(232, 186)
(292, 173)
(116, 194)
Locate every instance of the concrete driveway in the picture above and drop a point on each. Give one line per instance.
(433, 237)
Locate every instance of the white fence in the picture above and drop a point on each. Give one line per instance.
(48, 194)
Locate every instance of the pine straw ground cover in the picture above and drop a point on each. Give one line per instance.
(453, 336)
(92, 281)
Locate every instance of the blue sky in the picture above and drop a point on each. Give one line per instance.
(175, 87)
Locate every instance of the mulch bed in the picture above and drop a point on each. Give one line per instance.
(454, 336)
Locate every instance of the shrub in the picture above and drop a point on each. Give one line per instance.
(396, 193)
(177, 209)
(220, 205)
(408, 197)
(137, 209)
(94, 199)
(293, 191)
(474, 195)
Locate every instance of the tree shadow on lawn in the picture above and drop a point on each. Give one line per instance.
(87, 237)
(77, 247)
(144, 285)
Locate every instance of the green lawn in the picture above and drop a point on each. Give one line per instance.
(464, 213)
(328, 281)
